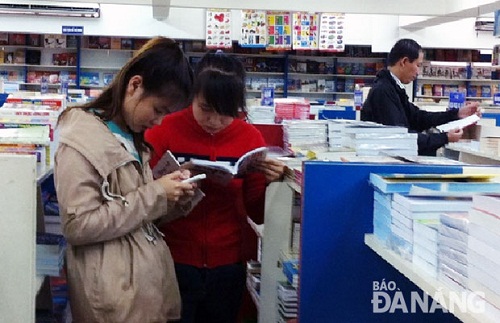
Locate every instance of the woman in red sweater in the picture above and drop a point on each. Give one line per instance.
(207, 245)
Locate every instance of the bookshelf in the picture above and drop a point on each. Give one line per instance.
(337, 268)
(20, 181)
(26, 58)
(330, 77)
(438, 78)
(428, 284)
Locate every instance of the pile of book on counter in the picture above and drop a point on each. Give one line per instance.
(447, 226)
(370, 138)
(50, 250)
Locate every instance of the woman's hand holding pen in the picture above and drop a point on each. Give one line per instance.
(174, 187)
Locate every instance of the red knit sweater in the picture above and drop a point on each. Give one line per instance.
(213, 234)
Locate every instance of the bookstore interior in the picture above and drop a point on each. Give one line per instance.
(361, 228)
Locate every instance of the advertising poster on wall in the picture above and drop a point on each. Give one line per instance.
(253, 28)
(305, 30)
(279, 30)
(331, 32)
(218, 31)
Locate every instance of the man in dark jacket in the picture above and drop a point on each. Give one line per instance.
(387, 102)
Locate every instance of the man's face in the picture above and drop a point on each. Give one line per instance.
(410, 69)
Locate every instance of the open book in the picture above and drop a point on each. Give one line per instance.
(221, 171)
(458, 124)
(168, 164)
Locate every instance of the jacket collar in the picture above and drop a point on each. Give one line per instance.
(87, 134)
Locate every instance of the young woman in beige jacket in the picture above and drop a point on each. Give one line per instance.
(119, 268)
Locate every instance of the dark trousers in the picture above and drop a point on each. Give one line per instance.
(211, 295)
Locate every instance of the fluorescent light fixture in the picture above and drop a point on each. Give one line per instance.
(486, 51)
(441, 63)
(481, 64)
(59, 9)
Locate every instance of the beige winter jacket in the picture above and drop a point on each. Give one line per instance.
(119, 268)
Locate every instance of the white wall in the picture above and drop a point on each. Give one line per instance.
(380, 31)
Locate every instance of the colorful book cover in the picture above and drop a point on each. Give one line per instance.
(54, 41)
(17, 39)
(253, 28)
(20, 56)
(116, 43)
(89, 78)
(107, 78)
(279, 30)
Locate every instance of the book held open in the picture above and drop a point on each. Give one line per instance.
(168, 164)
(221, 171)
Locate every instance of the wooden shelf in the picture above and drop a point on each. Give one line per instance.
(427, 283)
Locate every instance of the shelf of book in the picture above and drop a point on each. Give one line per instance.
(442, 97)
(428, 284)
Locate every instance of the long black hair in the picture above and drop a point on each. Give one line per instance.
(165, 72)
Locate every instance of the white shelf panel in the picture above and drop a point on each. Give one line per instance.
(472, 156)
(427, 283)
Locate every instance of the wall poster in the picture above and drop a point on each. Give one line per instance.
(218, 31)
(253, 28)
(305, 30)
(331, 32)
(279, 30)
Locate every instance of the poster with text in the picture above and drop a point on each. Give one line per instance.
(218, 33)
(279, 30)
(331, 32)
(253, 28)
(305, 33)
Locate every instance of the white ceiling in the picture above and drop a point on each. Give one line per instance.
(429, 12)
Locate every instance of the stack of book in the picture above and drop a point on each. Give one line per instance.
(368, 138)
(402, 200)
(482, 253)
(425, 245)
(305, 135)
(253, 280)
(421, 208)
(382, 218)
(27, 124)
(49, 254)
(287, 302)
(52, 220)
(291, 270)
(372, 139)
(336, 138)
(452, 249)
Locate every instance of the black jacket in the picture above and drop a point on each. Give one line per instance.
(387, 103)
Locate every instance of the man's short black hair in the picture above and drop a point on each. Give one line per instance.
(404, 48)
